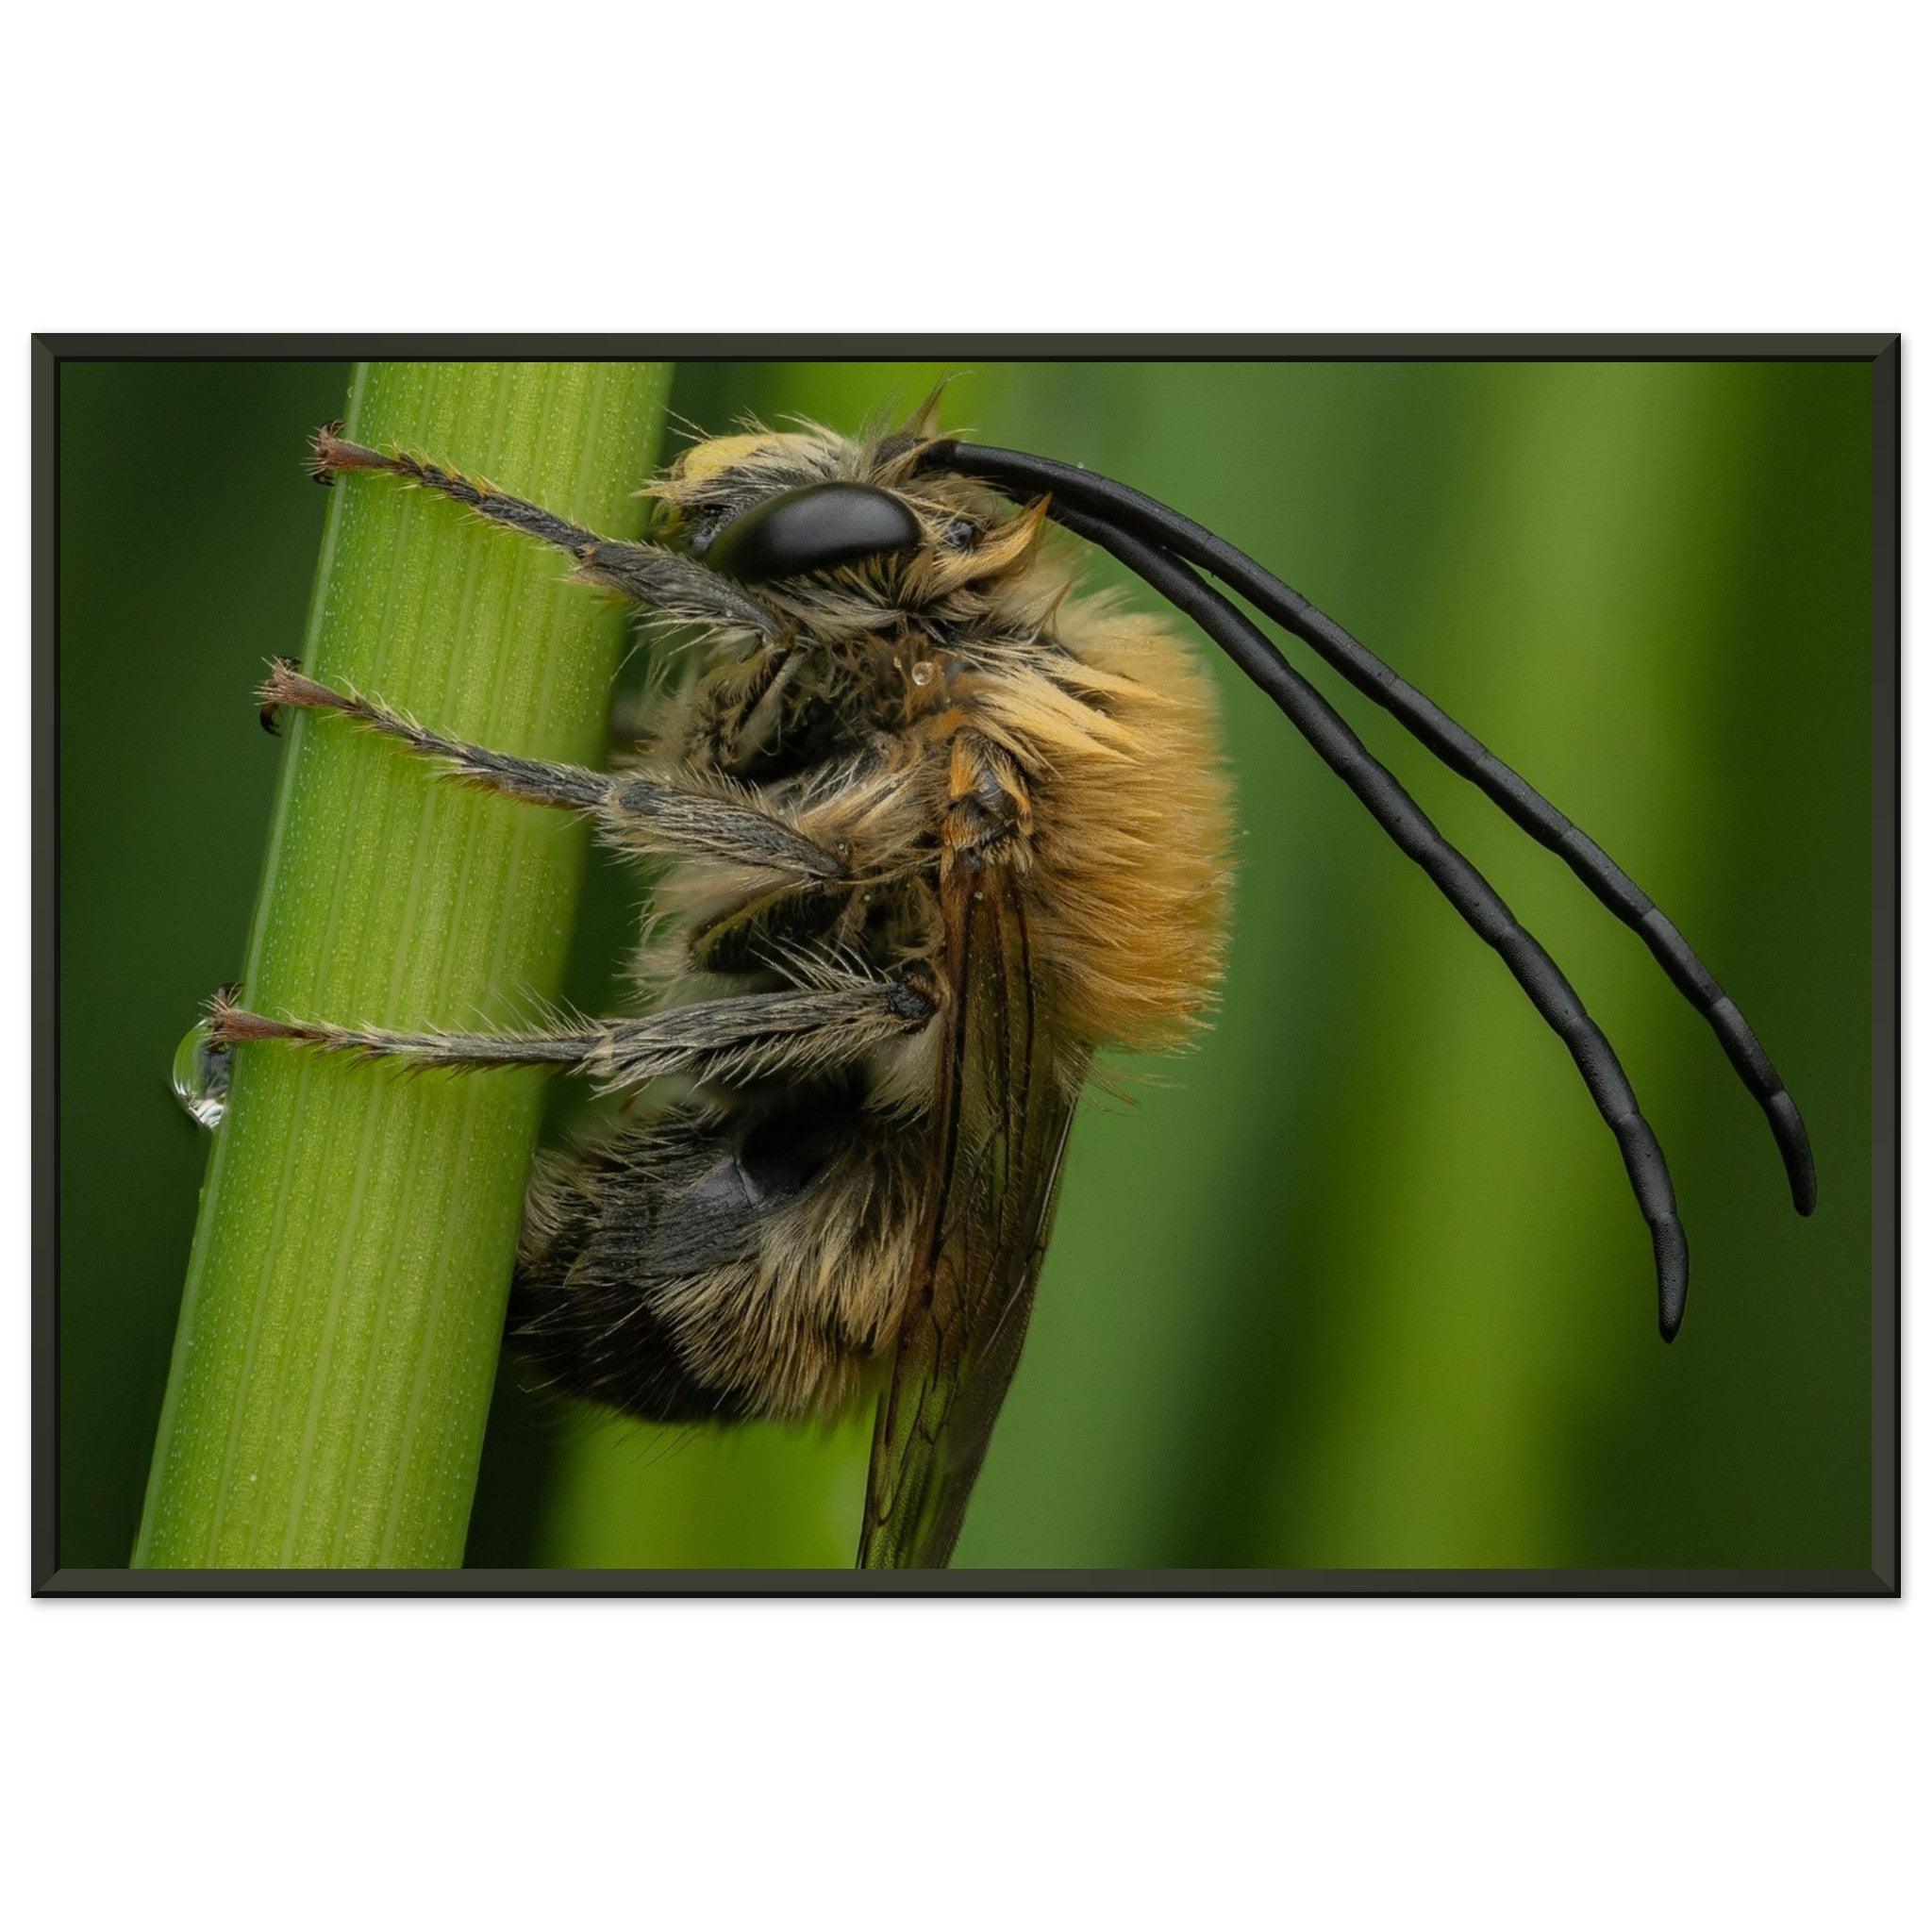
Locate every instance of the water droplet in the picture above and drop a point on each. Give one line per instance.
(200, 1076)
(922, 673)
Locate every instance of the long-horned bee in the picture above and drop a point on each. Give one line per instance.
(930, 829)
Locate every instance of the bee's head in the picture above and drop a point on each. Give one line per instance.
(798, 511)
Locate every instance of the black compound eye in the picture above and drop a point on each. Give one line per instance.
(962, 533)
(816, 526)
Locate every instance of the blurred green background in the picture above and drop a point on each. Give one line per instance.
(1356, 1283)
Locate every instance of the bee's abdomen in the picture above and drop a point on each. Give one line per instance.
(748, 1260)
(587, 1304)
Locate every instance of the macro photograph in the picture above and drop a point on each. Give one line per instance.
(965, 965)
(1105, 970)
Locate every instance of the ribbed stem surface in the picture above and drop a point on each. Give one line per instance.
(343, 1309)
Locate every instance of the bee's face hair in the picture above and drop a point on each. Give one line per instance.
(836, 534)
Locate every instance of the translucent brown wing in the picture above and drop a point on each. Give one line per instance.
(1005, 1103)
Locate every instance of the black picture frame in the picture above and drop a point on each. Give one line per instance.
(1882, 1579)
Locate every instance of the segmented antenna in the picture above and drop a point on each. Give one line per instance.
(1478, 902)
(1125, 510)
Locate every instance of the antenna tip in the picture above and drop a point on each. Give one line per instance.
(1795, 1144)
(1673, 1276)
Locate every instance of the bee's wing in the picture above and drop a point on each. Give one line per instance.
(1005, 1102)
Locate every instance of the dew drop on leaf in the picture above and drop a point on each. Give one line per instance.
(200, 1076)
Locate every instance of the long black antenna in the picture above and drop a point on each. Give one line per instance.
(1020, 475)
(1478, 902)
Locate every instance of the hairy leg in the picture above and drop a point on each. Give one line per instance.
(642, 814)
(755, 1036)
(647, 573)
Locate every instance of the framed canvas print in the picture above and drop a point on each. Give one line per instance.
(1086, 966)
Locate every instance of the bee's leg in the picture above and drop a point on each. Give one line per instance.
(647, 573)
(642, 814)
(752, 1037)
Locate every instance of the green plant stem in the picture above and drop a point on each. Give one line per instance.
(343, 1309)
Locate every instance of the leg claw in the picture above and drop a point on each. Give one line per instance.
(322, 454)
(273, 697)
